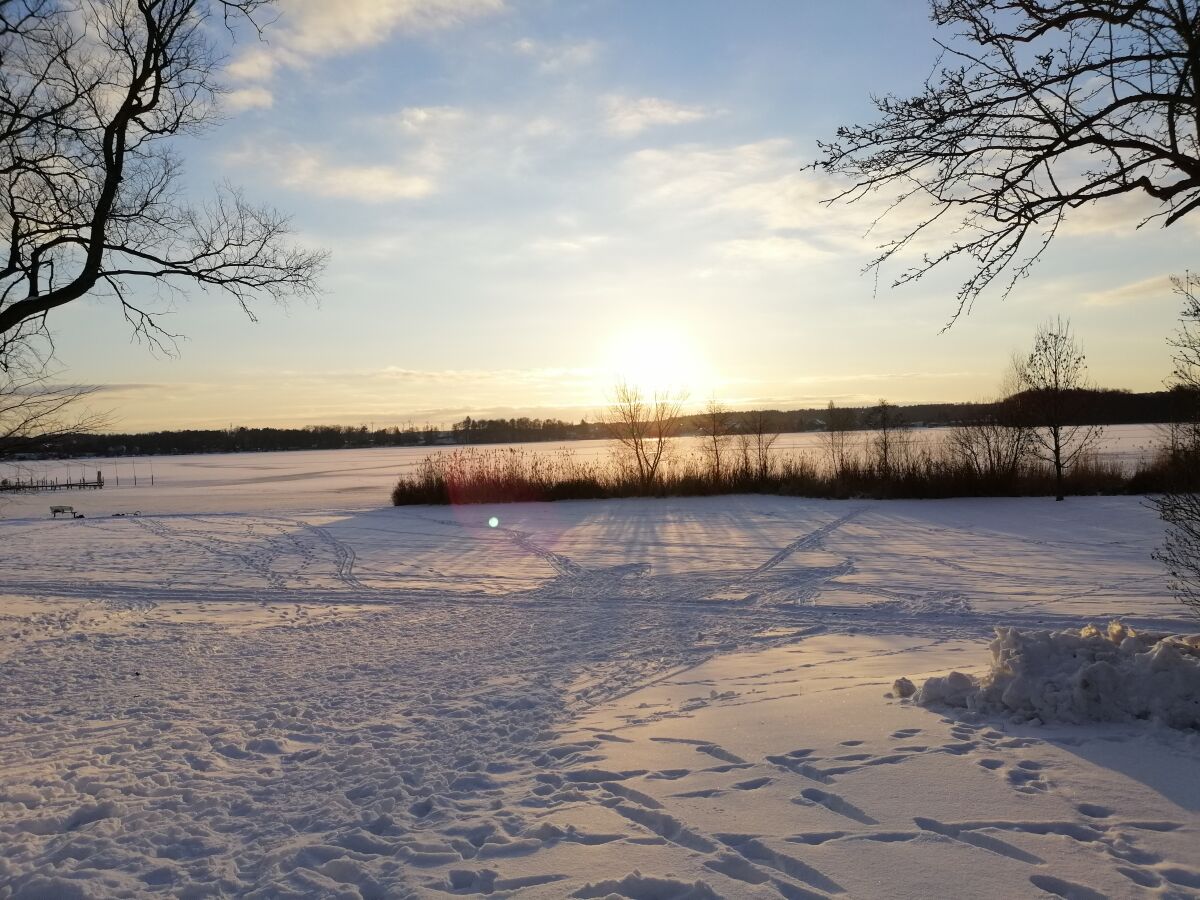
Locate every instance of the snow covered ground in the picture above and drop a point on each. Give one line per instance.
(274, 687)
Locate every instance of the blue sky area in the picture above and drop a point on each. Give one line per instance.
(526, 199)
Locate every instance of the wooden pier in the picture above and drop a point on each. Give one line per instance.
(37, 485)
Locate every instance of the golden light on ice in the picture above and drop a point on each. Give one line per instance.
(657, 360)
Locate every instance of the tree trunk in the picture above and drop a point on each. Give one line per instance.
(1058, 465)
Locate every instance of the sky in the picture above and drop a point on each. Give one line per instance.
(528, 200)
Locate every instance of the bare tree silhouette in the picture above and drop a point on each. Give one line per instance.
(93, 95)
(1052, 378)
(756, 438)
(889, 444)
(642, 429)
(1179, 504)
(1036, 108)
(716, 426)
(996, 445)
(836, 439)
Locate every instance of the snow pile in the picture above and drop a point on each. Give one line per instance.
(1081, 676)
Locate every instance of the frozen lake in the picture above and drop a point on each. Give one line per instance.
(342, 479)
(271, 684)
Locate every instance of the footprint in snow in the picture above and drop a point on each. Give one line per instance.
(605, 736)
(706, 793)
(834, 803)
(1068, 890)
(1026, 781)
(1141, 877)
(669, 774)
(720, 753)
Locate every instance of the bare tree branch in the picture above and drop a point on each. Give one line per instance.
(92, 92)
(35, 407)
(1036, 109)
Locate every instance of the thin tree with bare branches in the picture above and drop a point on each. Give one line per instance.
(889, 445)
(641, 429)
(715, 425)
(837, 440)
(999, 442)
(756, 439)
(1053, 378)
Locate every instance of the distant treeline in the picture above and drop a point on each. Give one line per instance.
(311, 437)
(1102, 407)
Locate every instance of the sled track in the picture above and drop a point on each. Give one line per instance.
(344, 557)
(810, 541)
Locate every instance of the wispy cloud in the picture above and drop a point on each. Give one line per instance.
(422, 120)
(310, 29)
(396, 395)
(249, 98)
(385, 396)
(879, 376)
(762, 204)
(774, 249)
(630, 116)
(557, 247)
(305, 169)
(319, 27)
(121, 387)
(414, 152)
(471, 376)
(1118, 215)
(554, 58)
(1148, 289)
(757, 198)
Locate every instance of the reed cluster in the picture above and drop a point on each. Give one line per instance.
(514, 475)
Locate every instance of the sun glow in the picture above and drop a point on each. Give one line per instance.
(657, 360)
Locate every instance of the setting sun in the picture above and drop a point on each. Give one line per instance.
(656, 359)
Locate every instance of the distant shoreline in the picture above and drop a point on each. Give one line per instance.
(1100, 407)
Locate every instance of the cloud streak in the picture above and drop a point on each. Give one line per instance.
(630, 116)
(312, 29)
(304, 169)
(555, 58)
(1146, 290)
